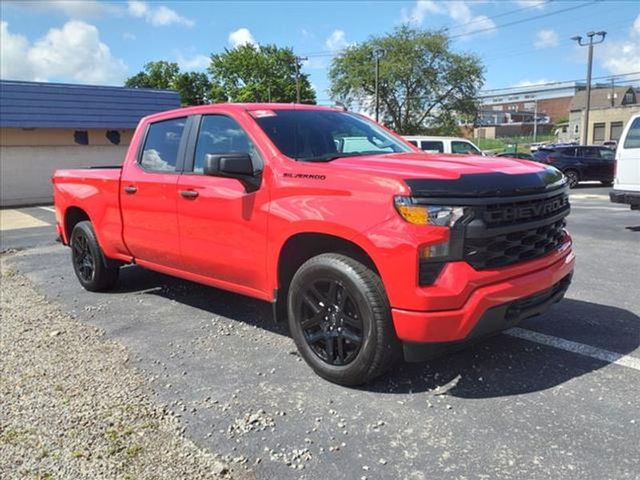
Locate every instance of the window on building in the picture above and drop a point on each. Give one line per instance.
(616, 131)
(81, 137)
(160, 152)
(113, 136)
(629, 98)
(598, 132)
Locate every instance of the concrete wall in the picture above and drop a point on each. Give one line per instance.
(28, 159)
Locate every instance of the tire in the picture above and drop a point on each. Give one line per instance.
(89, 263)
(572, 177)
(340, 320)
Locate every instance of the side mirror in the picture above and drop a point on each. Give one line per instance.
(233, 165)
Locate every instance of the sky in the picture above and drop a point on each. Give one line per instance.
(520, 42)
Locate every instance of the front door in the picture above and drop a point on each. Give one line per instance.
(149, 195)
(222, 227)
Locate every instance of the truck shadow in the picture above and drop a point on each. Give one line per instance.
(498, 366)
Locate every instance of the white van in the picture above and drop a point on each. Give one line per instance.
(626, 185)
(444, 145)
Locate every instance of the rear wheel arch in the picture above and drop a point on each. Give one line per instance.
(73, 216)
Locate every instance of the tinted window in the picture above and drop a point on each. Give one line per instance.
(633, 135)
(221, 134)
(463, 147)
(160, 152)
(432, 146)
(323, 135)
(567, 152)
(413, 142)
(607, 153)
(590, 152)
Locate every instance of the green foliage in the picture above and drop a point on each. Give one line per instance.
(423, 83)
(192, 86)
(252, 73)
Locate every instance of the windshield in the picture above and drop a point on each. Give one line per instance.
(324, 135)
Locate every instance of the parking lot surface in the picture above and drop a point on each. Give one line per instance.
(558, 397)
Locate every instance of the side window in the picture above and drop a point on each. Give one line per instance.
(160, 152)
(589, 152)
(607, 154)
(221, 134)
(632, 139)
(568, 152)
(432, 146)
(413, 142)
(463, 147)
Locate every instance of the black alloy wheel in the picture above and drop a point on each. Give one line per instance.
(331, 321)
(83, 258)
(572, 178)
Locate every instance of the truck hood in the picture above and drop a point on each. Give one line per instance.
(458, 175)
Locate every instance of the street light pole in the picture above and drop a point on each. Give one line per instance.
(590, 44)
(377, 54)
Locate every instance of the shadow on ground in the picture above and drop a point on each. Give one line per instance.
(498, 366)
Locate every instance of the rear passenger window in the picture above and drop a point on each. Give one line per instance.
(633, 135)
(430, 146)
(413, 142)
(160, 152)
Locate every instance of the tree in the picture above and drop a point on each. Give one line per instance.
(251, 73)
(193, 87)
(423, 84)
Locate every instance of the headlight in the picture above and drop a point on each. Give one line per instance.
(418, 214)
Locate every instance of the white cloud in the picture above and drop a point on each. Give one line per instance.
(157, 16)
(620, 57)
(337, 41)
(13, 51)
(72, 52)
(465, 23)
(546, 39)
(194, 62)
(539, 4)
(315, 63)
(241, 36)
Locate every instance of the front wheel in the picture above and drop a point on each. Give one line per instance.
(340, 320)
(89, 263)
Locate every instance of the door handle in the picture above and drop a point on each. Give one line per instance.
(189, 193)
(130, 189)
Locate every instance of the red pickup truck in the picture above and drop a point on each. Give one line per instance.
(369, 248)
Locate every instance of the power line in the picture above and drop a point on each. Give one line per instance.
(331, 53)
(548, 84)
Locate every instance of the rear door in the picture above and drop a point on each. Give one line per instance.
(593, 165)
(149, 194)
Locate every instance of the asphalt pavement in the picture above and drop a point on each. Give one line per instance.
(559, 397)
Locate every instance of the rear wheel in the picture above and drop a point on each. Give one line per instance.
(89, 263)
(340, 320)
(572, 178)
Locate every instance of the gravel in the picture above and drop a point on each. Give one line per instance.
(73, 407)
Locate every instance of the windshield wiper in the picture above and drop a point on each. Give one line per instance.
(327, 157)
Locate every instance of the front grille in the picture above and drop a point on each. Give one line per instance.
(515, 212)
(513, 247)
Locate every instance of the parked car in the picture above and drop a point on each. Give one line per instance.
(370, 254)
(521, 156)
(612, 144)
(580, 164)
(626, 187)
(444, 145)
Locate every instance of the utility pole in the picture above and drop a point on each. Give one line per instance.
(590, 44)
(378, 53)
(535, 121)
(297, 61)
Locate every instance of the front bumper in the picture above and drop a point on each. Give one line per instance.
(461, 324)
